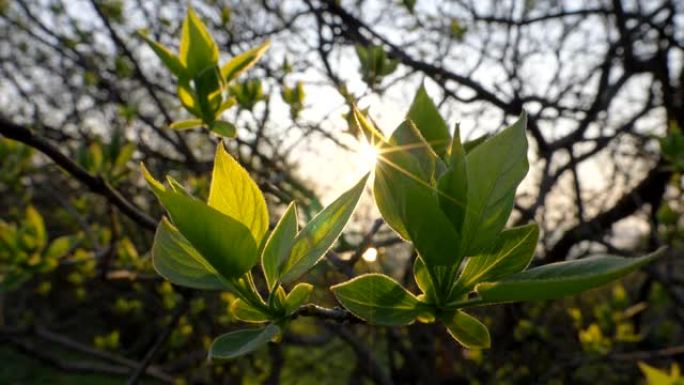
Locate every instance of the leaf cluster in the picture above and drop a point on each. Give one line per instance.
(451, 200)
(202, 84)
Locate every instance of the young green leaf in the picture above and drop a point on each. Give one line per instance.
(59, 247)
(223, 128)
(405, 198)
(494, 168)
(377, 299)
(279, 245)
(297, 297)
(472, 144)
(171, 61)
(186, 124)
(426, 117)
(241, 342)
(188, 97)
(230, 102)
(513, 252)
(224, 242)
(208, 89)
(423, 279)
(36, 225)
(247, 313)
(242, 62)
(197, 48)
(467, 330)
(175, 259)
(234, 193)
(369, 131)
(560, 279)
(452, 187)
(655, 376)
(408, 140)
(320, 233)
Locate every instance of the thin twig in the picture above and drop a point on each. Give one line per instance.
(161, 339)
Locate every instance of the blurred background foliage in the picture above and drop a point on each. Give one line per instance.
(602, 81)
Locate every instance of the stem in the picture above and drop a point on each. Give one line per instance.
(245, 290)
(465, 304)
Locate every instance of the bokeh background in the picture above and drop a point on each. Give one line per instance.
(602, 81)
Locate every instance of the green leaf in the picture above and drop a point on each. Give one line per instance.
(320, 233)
(242, 62)
(494, 168)
(241, 342)
(247, 313)
(512, 254)
(426, 117)
(377, 299)
(560, 279)
(59, 247)
(36, 226)
(467, 330)
(208, 88)
(234, 193)
(171, 61)
(410, 203)
(655, 376)
(175, 259)
(408, 140)
(230, 102)
(197, 48)
(276, 299)
(423, 279)
(279, 245)
(188, 97)
(223, 128)
(297, 297)
(369, 131)
(452, 186)
(176, 186)
(185, 124)
(472, 144)
(224, 242)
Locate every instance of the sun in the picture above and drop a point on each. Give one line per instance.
(370, 255)
(369, 155)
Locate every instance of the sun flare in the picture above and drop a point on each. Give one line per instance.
(369, 154)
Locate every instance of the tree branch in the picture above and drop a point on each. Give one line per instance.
(96, 184)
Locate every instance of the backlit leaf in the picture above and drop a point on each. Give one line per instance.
(197, 48)
(241, 342)
(279, 245)
(560, 279)
(234, 193)
(186, 124)
(247, 313)
(426, 117)
(226, 244)
(377, 299)
(242, 62)
(513, 252)
(467, 330)
(176, 259)
(297, 297)
(452, 187)
(494, 168)
(171, 61)
(320, 233)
